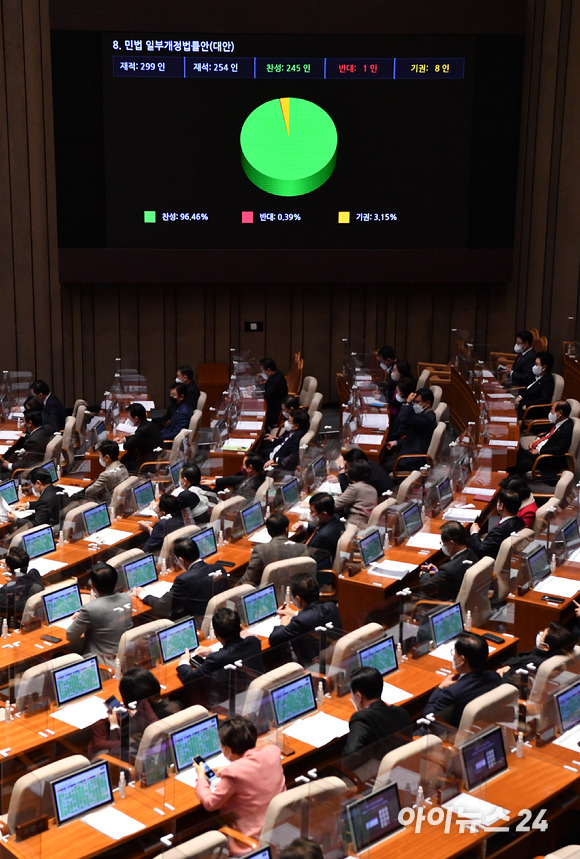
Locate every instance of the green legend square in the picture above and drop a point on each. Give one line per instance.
(149, 217)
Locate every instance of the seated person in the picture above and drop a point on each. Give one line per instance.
(98, 626)
(181, 415)
(48, 502)
(302, 848)
(378, 477)
(387, 360)
(444, 583)
(541, 390)
(289, 406)
(469, 680)
(374, 720)
(555, 442)
(54, 410)
(252, 779)
(248, 481)
(170, 520)
(403, 389)
(416, 424)
(190, 495)
(192, 589)
(508, 504)
(279, 548)
(275, 391)
(210, 681)
(114, 472)
(554, 640)
(309, 613)
(143, 444)
(324, 527)
(528, 507)
(359, 498)
(29, 450)
(34, 404)
(22, 583)
(401, 374)
(286, 453)
(521, 374)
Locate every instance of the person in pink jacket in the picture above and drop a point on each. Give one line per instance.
(253, 777)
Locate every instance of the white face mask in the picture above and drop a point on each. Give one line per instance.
(536, 370)
(264, 375)
(445, 550)
(102, 462)
(518, 348)
(288, 426)
(552, 417)
(399, 398)
(383, 366)
(354, 704)
(36, 492)
(395, 375)
(417, 408)
(178, 380)
(313, 520)
(539, 640)
(455, 664)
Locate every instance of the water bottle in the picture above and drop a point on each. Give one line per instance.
(4, 628)
(320, 693)
(163, 570)
(520, 745)
(468, 621)
(420, 797)
(220, 541)
(117, 673)
(288, 596)
(122, 785)
(399, 652)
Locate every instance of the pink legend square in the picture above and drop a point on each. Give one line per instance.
(247, 217)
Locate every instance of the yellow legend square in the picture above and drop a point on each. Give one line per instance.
(344, 217)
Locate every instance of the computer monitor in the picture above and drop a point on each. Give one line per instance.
(568, 706)
(51, 468)
(571, 536)
(380, 655)
(411, 518)
(39, 542)
(374, 817)
(371, 548)
(446, 624)
(144, 495)
(535, 558)
(82, 792)
(61, 603)
(483, 757)
(96, 519)
(9, 492)
(291, 493)
(260, 604)
(293, 700)
(75, 681)
(201, 738)
(174, 640)
(205, 542)
(140, 572)
(262, 853)
(445, 493)
(318, 469)
(252, 518)
(175, 471)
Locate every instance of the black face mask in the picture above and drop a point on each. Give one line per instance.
(173, 400)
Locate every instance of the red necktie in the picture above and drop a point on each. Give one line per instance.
(543, 438)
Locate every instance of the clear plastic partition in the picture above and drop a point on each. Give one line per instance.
(363, 369)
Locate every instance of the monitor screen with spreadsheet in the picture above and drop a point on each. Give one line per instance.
(82, 792)
(96, 519)
(205, 542)
(9, 492)
(568, 703)
(175, 471)
(446, 624)
(291, 493)
(412, 519)
(380, 655)
(374, 817)
(144, 495)
(318, 468)
(536, 558)
(571, 536)
(371, 548)
(140, 572)
(260, 604)
(75, 681)
(177, 638)
(51, 468)
(252, 518)
(201, 738)
(61, 603)
(445, 493)
(483, 758)
(39, 542)
(293, 700)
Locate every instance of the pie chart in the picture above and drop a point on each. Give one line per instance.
(288, 146)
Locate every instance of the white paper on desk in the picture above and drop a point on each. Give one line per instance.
(64, 622)
(502, 442)
(558, 586)
(4, 448)
(23, 514)
(331, 488)
(393, 695)
(476, 490)
(495, 419)
(126, 427)
(113, 823)
(367, 438)
(483, 813)
(379, 422)
(264, 627)
(498, 396)
(10, 435)
(363, 377)
(574, 557)
(121, 445)
(45, 566)
(147, 511)
(189, 776)
(256, 413)
(249, 425)
(445, 651)
(487, 374)
(108, 536)
(68, 490)
(569, 739)
(461, 514)
(372, 401)
(317, 730)
(394, 569)
(424, 540)
(260, 536)
(156, 590)
(83, 714)
(238, 443)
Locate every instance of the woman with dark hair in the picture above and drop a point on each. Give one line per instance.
(254, 777)
(358, 499)
(23, 583)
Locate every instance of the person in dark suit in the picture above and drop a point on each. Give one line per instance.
(98, 626)
(184, 376)
(554, 640)
(541, 390)
(521, 373)
(287, 452)
(555, 442)
(49, 501)
(374, 721)
(324, 527)
(248, 481)
(30, 448)
(417, 421)
(22, 583)
(192, 590)
(444, 583)
(378, 477)
(508, 504)
(275, 390)
(278, 549)
(140, 447)
(469, 680)
(190, 495)
(387, 359)
(182, 413)
(54, 410)
(310, 612)
(171, 519)
(209, 682)
(289, 406)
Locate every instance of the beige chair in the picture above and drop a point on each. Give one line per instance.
(473, 594)
(437, 392)
(499, 705)
(315, 422)
(201, 401)
(209, 845)
(195, 421)
(502, 566)
(343, 547)
(182, 447)
(68, 443)
(575, 406)
(31, 796)
(279, 573)
(130, 638)
(73, 527)
(166, 551)
(406, 485)
(236, 501)
(571, 851)
(315, 404)
(33, 682)
(433, 453)
(53, 449)
(546, 672)
(307, 438)
(79, 416)
(564, 488)
(440, 411)
(223, 600)
(154, 733)
(346, 647)
(419, 761)
(423, 380)
(119, 492)
(380, 510)
(262, 684)
(546, 513)
(309, 386)
(263, 489)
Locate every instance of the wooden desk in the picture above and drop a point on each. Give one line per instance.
(534, 611)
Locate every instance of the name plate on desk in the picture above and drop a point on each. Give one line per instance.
(31, 827)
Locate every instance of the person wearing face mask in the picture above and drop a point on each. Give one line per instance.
(181, 415)
(275, 390)
(541, 390)
(190, 495)
(307, 612)
(403, 388)
(170, 520)
(248, 481)
(22, 583)
(469, 680)
(48, 499)
(444, 583)
(192, 589)
(29, 450)
(114, 472)
(521, 373)
(278, 549)
(554, 640)
(289, 406)
(528, 506)
(324, 527)
(140, 447)
(286, 453)
(555, 442)
(381, 481)
(374, 721)
(98, 626)
(387, 359)
(416, 424)
(184, 376)
(359, 498)
(508, 504)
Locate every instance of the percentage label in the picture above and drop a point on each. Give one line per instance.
(288, 216)
(194, 216)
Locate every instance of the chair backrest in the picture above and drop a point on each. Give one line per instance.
(73, 527)
(423, 756)
(131, 636)
(315, 422)
(223, 506)
(564, 487)
(155, 732)
(440, 410)
(575, 404)
(80, 418)
(181, 440)
(436, 443)
(301, 807)
(118, 493)
(195, 421)
(314, 405)
(437, 392)
(307, 439)
(308, 390)
(558, 387)
(499, 705)
(513, 543)
(201, 401)
(423, 379)
(349, 644)
(570, 851)
(34, 607)
(233, 595)
(573, 449)
(342, 546)
(263, 489)
(279, 573)
(118, 561)
(294, 375)
(209, 845)
(68, 441)
(406, 485)
(269, 680)
(31, 796)
(379, 510)
(547, 512)
(166, 551)
(53, 449)
(473, 594)
(32, 682)
(77, 405)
